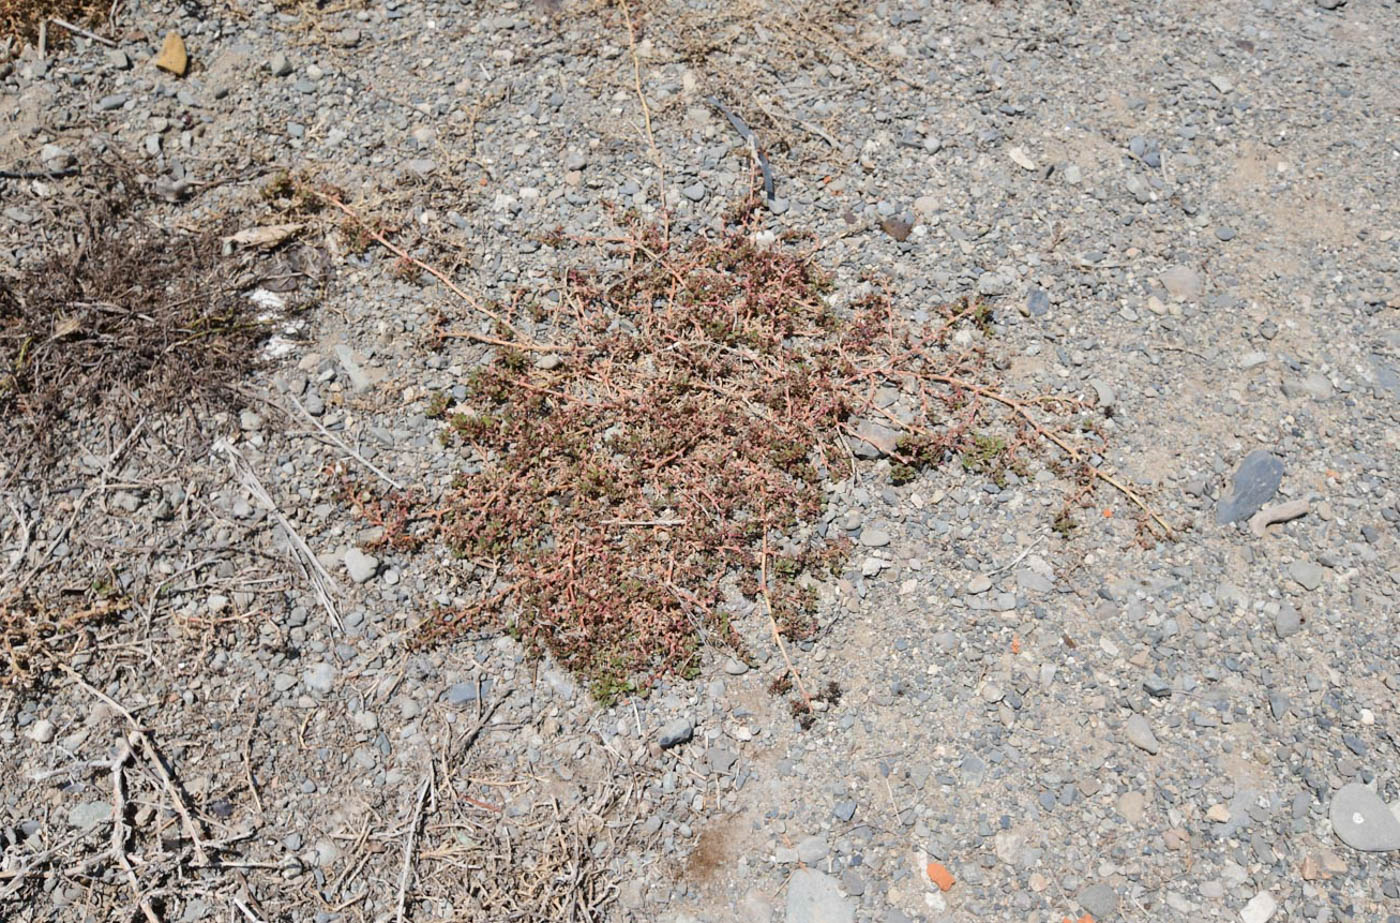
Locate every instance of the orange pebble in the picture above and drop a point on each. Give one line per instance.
(940, 876)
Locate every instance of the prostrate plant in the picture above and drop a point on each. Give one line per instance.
(633, 472)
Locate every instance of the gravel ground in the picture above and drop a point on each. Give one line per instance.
(1183, 212)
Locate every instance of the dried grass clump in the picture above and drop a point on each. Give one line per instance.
(125, 315)
(20, 19)
(547, 866)
(36, 640)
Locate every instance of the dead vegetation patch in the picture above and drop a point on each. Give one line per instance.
(20, 19)
(122, 313)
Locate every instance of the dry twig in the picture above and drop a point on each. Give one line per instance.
(321, 582)
(408, 846)
(148, 747)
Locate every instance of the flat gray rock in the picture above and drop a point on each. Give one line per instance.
(360, 566)
(1182, 282)
(874, 440)
(677, 732)
(360, 379)
(1288, 622)
(1254, 484)
(1363, 821)
(89, 814)
(1307, 574)
(1139, 734)
(319, 677)
(815, 898)
(1100, 900)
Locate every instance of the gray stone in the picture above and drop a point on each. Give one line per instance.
(1331, 4)
(114, 101)
(1316, 386)
(250, 421)
(812, 849)
(721, 759)
(319, 677)
(89, 814)
(735, 667)
(118, 59)
(844, 810)
(360, 566)
(1255, 482)
(1104, 391)
(874, 440)
(1037, 303)
(1157, 687)
(1363, 821)
(1307, 574)
(1224, 234)
(694, 192)
(852, 883)
(874, 537)
(1260, 909)
(979, 584)
(1139, 734)
(55, 157)
(1036, 583)
(359, 378)
(1100, 900)
(992, 284)
(279, 65)
(41, 731)
(1182, 282)
(1278, 705)
(462, 693)
(677, 732)
(816, 898)
(1288, 622)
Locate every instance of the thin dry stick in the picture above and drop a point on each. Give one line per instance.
(1018, 559)
(412, 841)
(119, 833)
(78, 30)
(152, 755)
(321, 582)
(23, 526)
(452, 287)
(341, 443)
(777, 636)
(1050, 436)
(646, 110)
(247, 911)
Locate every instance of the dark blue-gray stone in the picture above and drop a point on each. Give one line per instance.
(1038, 303)
(1157, 687)
(462, 693)
(1254, 484)
(677, 732)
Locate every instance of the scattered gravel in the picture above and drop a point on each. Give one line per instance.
(1070, 716)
